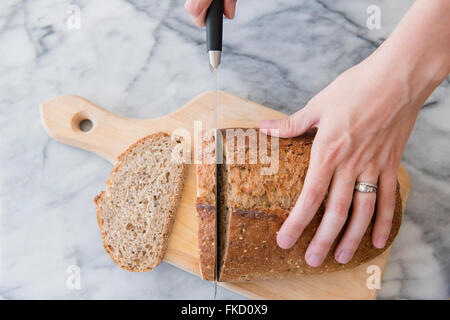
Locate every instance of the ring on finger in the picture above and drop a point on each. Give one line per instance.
(366, 187)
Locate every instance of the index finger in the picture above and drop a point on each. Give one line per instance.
(315, 187)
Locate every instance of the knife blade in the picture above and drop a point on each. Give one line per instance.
(214, 26)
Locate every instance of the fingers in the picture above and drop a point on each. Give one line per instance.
(334, 218)
(363, 209)
(229, 8)
(314, 189)
(197, 9)
(385, 208)
(291, 126)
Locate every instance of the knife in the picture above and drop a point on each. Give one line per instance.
(214, 24)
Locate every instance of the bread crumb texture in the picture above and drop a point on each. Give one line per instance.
(136, 212)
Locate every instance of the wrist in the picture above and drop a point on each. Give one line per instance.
(413, 74)
(417, 68)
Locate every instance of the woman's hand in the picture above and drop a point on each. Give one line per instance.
(363, 125)
(197, 9)
(364, 119)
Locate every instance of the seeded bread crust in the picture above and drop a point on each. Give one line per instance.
(256, 206)
(144, 256)
(253, 254)
(206, 240)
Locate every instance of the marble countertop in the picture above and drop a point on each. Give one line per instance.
(143, 59)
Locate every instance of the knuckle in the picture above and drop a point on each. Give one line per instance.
(392, 161)
(371, 169)
(346, 174)
(367, 159)
(366, 207)
(340, 211)
(320, 244)
(334, 149)
(288, 124)
(351, 242)
(392, 165)
(352, 165)
(384, 225)
(311, 198)
(389, 202)
(331, 153)
(297, 223)
(358, 161)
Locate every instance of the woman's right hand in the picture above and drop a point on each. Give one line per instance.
(197, 9)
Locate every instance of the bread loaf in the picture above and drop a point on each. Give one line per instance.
(253, 206)
(136, 212)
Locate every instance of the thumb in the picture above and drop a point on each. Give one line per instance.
(290, 126)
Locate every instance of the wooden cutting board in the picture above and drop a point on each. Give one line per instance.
(111, 134)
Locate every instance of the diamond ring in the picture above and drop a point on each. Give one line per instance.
(366, 187)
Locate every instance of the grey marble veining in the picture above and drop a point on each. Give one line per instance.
(144, 59)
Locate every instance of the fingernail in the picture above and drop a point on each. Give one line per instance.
(285, 242)
(344, 256)
(268, 124)
(314, 260)
(380, 241)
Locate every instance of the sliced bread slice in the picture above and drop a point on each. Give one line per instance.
(206, 206)
(136, 212)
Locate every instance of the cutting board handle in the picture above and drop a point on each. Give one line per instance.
(76, 121)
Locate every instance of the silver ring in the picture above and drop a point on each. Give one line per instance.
(366, 187)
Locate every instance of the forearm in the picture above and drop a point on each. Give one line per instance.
(416, 56)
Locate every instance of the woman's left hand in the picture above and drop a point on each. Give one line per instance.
(364, 119)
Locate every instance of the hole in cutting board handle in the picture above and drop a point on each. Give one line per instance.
(86, 125)
(83, 122)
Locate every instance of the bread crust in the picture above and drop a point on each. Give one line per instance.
(206, 239)
(99, 201)
(252, 251)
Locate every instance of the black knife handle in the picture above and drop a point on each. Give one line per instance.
(214, 23)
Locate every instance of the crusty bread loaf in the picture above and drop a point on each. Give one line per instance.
(137, 210)
(254, 206)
